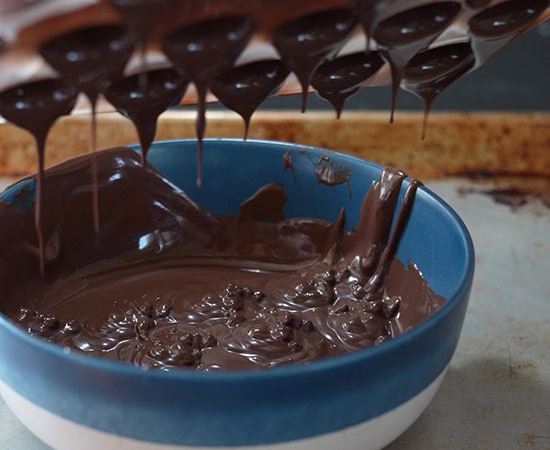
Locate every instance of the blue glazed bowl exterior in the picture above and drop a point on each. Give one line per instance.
(282, 404)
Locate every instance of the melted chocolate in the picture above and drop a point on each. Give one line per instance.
(432, 71)
(204, 50)
(90, 58)
(477, 4)
(141, 16)
(306, 42)
(144, 97)
(207, 292)
(166, 284)
(495, 26)
(35, 107)
(340, 78)
(402, 36)
(245, 87)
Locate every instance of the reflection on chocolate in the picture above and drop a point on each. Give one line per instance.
(300, 289)
(90, 58)
(495, 26)
(340, 78)
(204, 50)
(35, 107)
(432, 71)
(402, 36)
(143, 98)
(245, 87)
(306, 42)
(506, 18)
(330, 172)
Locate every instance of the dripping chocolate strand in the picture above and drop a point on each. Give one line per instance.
(292, 296)
(402, 36)
(203, 51)
(432, 71)
(144, 104)
(495, 26)
(340, 78)
(35, 107)
(308, 41)
(243, 88)
(90, 58)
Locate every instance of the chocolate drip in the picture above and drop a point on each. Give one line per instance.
(245, 87)
(143, 98)
(342, 77)
(331, 173)
(35, 107)
(306, 42)
(90, 58)
(432, 71)
(495, 26)
(376, 216)
(402, 36)
(287, 163)
(161, 298)
(204, 50)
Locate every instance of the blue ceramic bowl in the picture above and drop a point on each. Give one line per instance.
(361, 400)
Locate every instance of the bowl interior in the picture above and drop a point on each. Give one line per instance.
(287, 403)
(435, 238)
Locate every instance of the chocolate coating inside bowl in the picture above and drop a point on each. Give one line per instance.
(166, 284)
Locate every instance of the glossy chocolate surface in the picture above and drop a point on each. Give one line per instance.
(166, 284)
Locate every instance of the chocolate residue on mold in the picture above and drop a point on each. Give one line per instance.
(182, 288)
(331, 173)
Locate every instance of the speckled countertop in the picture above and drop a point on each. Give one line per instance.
(496, 394)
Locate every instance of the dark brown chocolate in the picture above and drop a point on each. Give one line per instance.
(35, 106)
(165, 284)
(402, 36)
(204, 50)
(495, 26)
(90, 58)
(245, 87)
(144, 97)
(432, 71)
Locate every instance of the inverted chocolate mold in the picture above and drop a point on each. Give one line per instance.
(281, 30)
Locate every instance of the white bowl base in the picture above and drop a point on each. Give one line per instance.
(64, 434)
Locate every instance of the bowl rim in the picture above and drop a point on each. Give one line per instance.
(284, 371)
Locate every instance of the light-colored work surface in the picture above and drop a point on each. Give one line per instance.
(496, 394)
